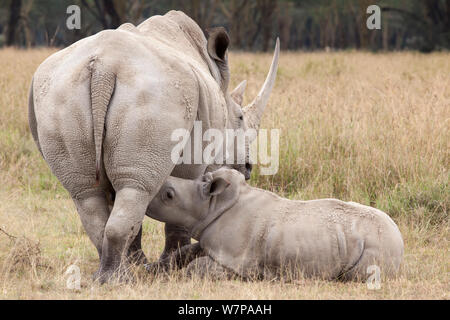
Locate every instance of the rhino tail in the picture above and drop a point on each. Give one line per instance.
(32, 118)
(102, 87)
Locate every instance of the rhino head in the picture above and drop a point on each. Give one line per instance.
(240, 117)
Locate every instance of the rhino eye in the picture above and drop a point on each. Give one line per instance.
(169, 194)
(241, 117)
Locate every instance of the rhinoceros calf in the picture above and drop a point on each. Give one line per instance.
(254, 232)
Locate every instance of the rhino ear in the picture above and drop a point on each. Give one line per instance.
(238, 93)
(218, 42)
(224, 198)
(216, 186)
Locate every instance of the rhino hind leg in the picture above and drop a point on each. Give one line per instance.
(369, 263)
(374, 265)
(135, 253)
(94, 212)
(123, 225)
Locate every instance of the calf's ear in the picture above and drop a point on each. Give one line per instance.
(216, 186)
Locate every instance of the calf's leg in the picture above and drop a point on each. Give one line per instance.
(177, 259)
(176, 237)
(205, 267)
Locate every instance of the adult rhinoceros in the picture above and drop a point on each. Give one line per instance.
(102, 112)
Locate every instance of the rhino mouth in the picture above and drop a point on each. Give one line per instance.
(246, 169)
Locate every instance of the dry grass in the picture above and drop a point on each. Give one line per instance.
(372, 128)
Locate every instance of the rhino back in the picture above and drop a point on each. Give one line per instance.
(332, 238)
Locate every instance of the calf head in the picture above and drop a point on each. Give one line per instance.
(195, 204)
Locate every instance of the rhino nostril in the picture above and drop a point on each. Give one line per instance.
(248, 171)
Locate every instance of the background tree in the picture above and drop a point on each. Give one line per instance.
(13, 21)
(253, 24)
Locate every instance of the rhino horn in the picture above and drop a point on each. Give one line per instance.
(254, 111)
(238, 93)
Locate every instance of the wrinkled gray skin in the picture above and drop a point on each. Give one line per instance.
(254, 232)
(102, 112)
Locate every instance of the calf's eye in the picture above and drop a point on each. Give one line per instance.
(169, 194)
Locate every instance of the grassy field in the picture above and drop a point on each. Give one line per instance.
(371, 128)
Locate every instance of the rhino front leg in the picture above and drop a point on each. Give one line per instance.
(176, 238)
(122, 227)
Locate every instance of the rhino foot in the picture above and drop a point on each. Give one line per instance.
(122, 275)
(157, 267)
